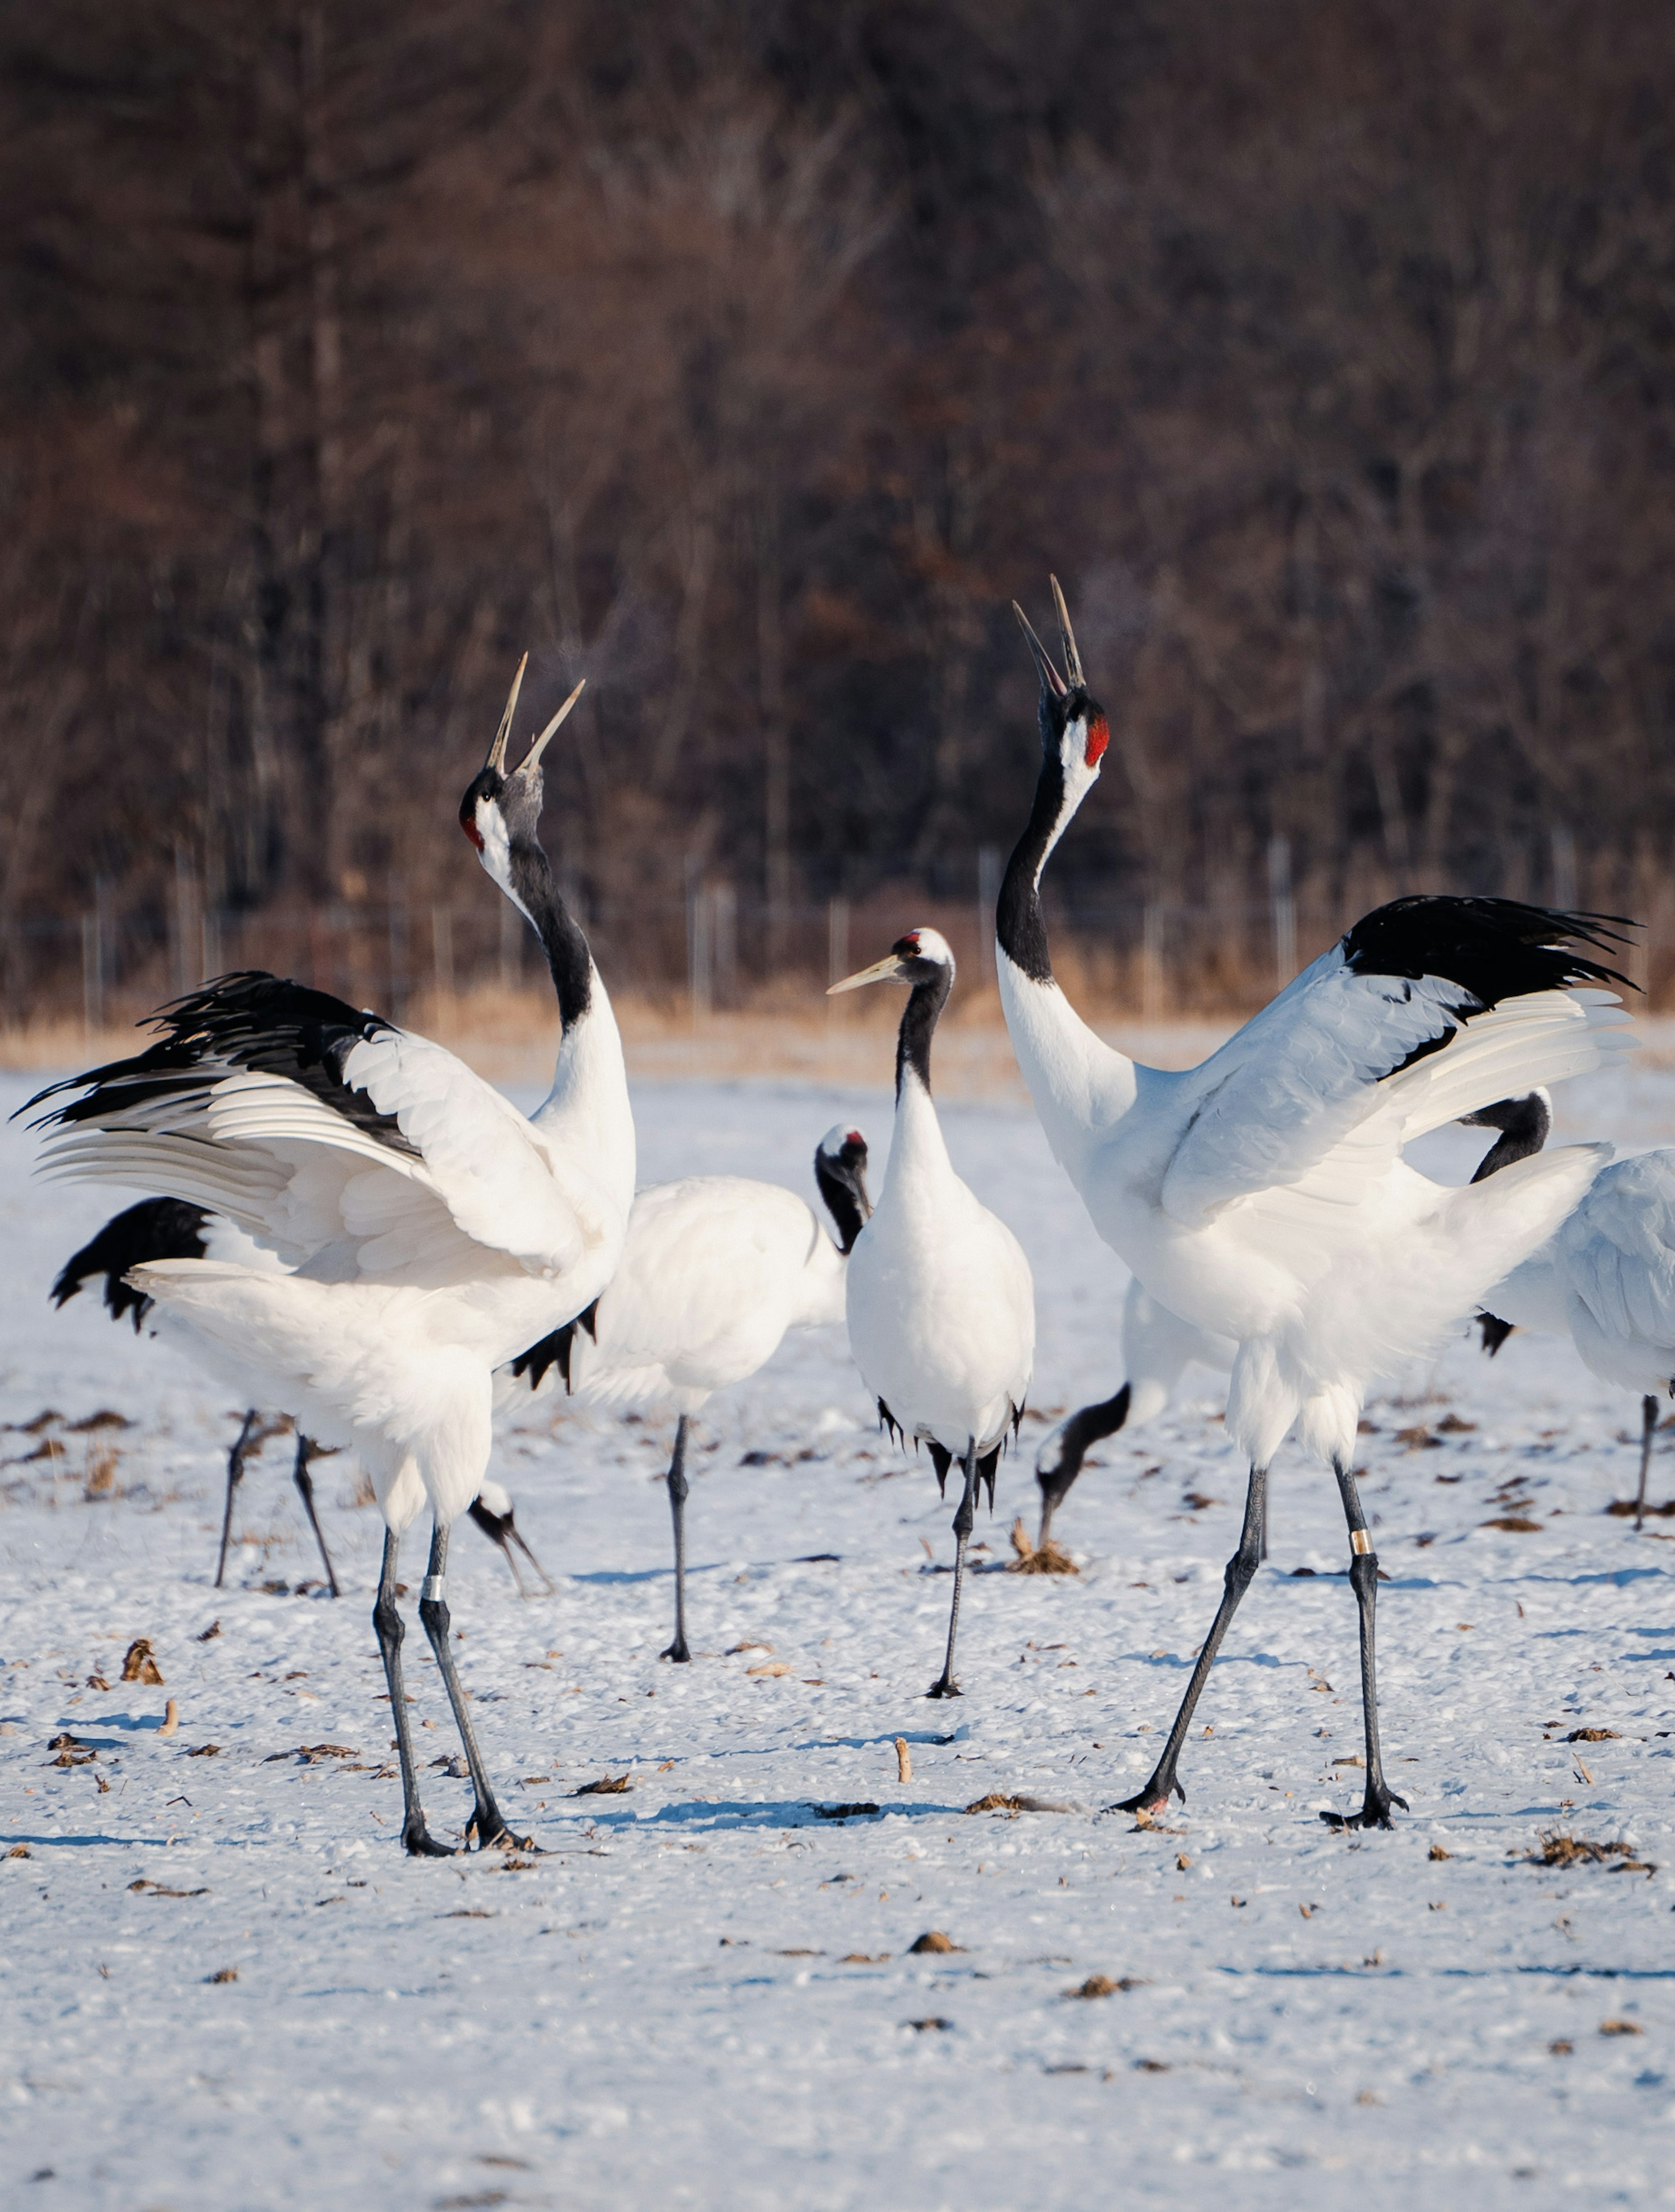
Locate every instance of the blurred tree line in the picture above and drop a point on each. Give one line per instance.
(747, 356)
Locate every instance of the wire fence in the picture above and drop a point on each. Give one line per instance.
(713, 950)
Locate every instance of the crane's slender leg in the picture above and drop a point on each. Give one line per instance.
(386, 1621)
(678, 1488)
(945, 1686)
(235, 1475)
(486, 1819)
(305, 1483)
(1262, 1551)
(1235, 1581)
(1648, 1422)
(1364, 1581)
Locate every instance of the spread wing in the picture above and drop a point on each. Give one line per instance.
(1617, 1251)
(349, 1146)
(1320, 1092)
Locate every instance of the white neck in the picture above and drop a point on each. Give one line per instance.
(918, 1157)
(1080, 1086)
(587, 1107)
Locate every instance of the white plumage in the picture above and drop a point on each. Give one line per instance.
(1263, 1196)
(433, 1230)
(940, 1302)
(715, 1270)
(1157, 1348)
(1606, 1280)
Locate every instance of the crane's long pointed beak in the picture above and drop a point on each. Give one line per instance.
(540, 745)
(1072, 658)
(497, 752)
(887, 971)
(1049, 675)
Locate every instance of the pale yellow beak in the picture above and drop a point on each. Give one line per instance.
(887, 971)
(497, 752)
(533, 754)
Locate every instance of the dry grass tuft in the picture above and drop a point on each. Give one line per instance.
(608, 1786)
(1621, 2027)
(139, 1666)
(222, 1974)
(933, 1941)
(1593, 1735)
(1561, 1851)
(1050, 1559)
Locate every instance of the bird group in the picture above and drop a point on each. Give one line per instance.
(351, 1228)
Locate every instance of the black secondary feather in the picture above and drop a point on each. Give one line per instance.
(248, 1020)
(1493, 948)
(556, 1350)
(155, 1229)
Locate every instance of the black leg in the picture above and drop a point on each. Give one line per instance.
(1648, 1422)
(1364, 1581)
(678, 1496)
(945, 1686)
(434, 1613)
(305, 1483)
(1235, 1581)
(1262, 1549)
(386, 1621)
(1081, 1430)
(235, 1475)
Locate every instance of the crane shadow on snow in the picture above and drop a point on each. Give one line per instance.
(783, 1813)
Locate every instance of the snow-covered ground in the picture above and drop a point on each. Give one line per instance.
(703, 1994)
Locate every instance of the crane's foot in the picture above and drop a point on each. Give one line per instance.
(944, 1686)
(492, 1834)
(1146, 1804)
(418, 1842)
(677, 1652)
(1374, 1814)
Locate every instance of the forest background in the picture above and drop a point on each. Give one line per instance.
(748, 357)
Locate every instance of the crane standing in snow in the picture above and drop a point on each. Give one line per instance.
(1158, 1346)
(940, 1301)
(1606, 1277)
(167, 1229)
(1263, 1195)
(715, 1269)
(434, 1231)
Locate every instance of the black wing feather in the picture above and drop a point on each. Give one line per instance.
(248, 1020)
(1494, 948)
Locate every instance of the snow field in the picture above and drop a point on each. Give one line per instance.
(702, 1994)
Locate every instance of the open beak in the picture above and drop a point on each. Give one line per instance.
(531, 758)
(1072, 658)
(887, 971)
(497, 752)
(1050, 677)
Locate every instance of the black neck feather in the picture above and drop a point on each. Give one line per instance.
(841, 1204)
(560, 933)
(919, 1025)
(1019, 922)
(1524, 1124)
